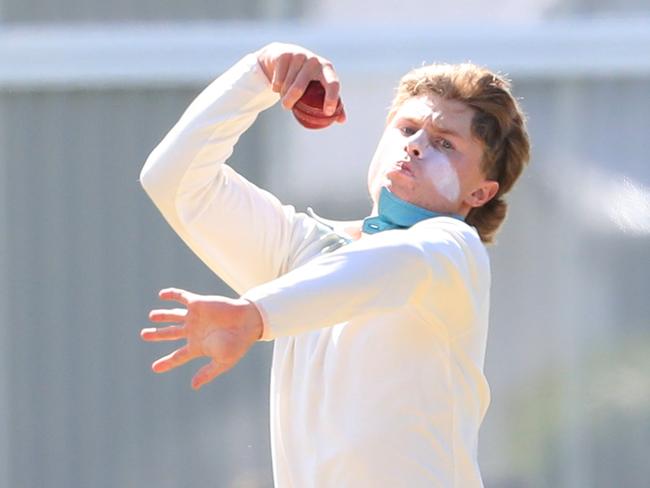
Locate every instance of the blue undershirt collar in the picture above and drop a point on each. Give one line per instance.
(395, 213)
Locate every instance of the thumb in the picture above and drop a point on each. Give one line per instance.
(207, 373)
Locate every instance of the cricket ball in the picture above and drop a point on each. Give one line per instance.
(309, 109)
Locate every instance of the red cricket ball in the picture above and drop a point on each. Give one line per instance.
(309, 109)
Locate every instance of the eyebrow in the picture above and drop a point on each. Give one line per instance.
(447, 132)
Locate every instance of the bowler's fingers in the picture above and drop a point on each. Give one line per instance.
(343, 117)
(176, 295)
(280, 72)
(332, 87)
(173, 360)
(312, 70)
(171, 333)
(173, 315)
(291, 91)
(207, 373)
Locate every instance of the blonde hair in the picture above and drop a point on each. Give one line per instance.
(498, 123)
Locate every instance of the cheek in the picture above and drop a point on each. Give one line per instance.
(389, 150)
(444, 178)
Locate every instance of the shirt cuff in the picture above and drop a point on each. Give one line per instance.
(267, 332)
(250, 64)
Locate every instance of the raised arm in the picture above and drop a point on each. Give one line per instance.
(243, 233)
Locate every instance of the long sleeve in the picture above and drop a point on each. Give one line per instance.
(243, 233)
(433, 266)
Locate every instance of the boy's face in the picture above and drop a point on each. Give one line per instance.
(428, 156)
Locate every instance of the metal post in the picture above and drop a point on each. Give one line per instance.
(5, 411)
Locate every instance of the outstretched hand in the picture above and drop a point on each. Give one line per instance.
(220, 328)
(290, 68)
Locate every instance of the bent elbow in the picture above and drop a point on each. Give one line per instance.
(150, 169)
(148, 183)
(145, 177)
(153, 180)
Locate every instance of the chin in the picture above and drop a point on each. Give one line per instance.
(395, 185)
(409, 196)
(399, 188)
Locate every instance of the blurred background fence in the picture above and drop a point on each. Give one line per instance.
(88, 88)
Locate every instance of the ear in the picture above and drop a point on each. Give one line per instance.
(483, 194)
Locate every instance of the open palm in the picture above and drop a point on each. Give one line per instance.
(220, 328)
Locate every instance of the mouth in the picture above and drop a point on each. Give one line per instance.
(405, 167)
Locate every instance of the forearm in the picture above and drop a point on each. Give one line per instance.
(239, 231)
(358, 280)
(190, 156)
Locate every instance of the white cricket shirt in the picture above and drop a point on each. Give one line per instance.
(377, 377)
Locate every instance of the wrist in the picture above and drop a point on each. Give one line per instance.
(252, 320)
(262, 62)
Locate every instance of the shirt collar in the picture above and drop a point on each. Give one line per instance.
(395, 213)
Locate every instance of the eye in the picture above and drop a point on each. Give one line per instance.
(445, 144)
(408, 130)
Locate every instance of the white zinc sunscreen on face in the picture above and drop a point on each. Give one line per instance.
(443, 176)
(438, 168)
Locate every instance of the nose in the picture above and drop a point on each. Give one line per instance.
(415, 145)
